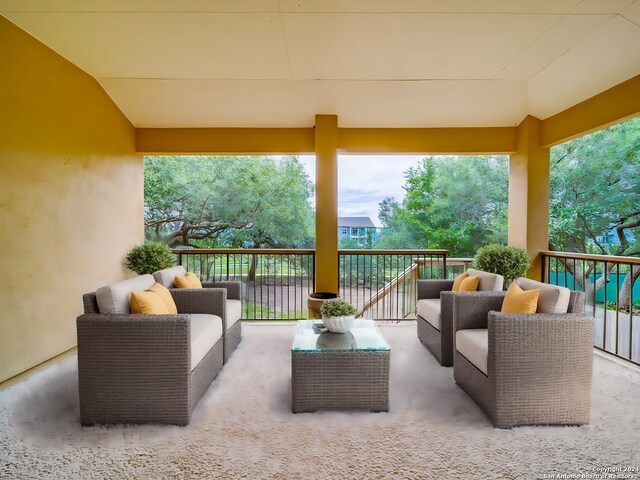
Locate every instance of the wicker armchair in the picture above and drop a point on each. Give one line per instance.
(232, 309)
(148, 368)
(524, 369)
(435, 312)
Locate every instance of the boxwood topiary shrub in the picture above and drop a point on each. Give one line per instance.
(148, 258)
(337, 308)
(510, 262)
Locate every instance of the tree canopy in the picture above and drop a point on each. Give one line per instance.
(228, 201)
(457, 203)
(595, 191)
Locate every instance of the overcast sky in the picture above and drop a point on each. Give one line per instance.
(364, 180)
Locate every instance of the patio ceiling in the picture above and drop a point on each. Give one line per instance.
(382, 63)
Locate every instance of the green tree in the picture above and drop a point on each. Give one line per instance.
(595, 190)
(214, 201)
(457, 203)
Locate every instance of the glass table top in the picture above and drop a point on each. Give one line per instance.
(364, 336)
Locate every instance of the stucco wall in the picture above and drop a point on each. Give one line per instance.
(71, 197)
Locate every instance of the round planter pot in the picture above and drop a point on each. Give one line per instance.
(315, 301)
(339, 324)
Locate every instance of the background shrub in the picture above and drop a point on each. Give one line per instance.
(510, 262)
(148, 258)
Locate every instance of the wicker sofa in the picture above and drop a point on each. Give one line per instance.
(147, 368)
(435, 312)
(232, 311)
(525, 369)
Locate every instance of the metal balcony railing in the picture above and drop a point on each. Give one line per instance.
(277, 282)
(612, 289)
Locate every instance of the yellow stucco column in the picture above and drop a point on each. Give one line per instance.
(529, 194)
(326, 145)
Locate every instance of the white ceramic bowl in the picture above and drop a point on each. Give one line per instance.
(339, 324)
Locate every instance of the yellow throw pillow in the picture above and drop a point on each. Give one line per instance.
(166, 297)
(193, 280)
(148, 303)
(469, 284)
(518, 300)
(458, 281)
(182, 282)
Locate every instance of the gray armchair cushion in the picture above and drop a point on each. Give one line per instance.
(474, 345)
(115, 298)
(429, 309)
(234, 312)
(167, 276)
(552, 299)
(489, 282)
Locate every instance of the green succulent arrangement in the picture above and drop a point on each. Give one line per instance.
(337, 308)
(148, 258)
(510, 262)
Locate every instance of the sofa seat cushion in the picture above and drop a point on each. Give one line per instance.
(489, 282)
(473, 344)
(206, 330)
(429, 309)
(116, 298)
(552, 298)
(234, 312)
(166, 277)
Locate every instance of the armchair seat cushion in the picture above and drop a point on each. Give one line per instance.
(429, 309)
(206, 330)
(473, 344)
(234, 312)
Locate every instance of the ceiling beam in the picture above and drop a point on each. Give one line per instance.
(227, 141)
(612, 106)
(483, 140)
(258, 141)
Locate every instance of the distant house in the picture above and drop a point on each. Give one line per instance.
(360, 229)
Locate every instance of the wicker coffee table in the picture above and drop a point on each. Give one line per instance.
(339, 370)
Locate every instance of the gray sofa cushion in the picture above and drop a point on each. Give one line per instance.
(115, 298)
(489, 282)
(552, 299)
(166, 277)
(206, 330)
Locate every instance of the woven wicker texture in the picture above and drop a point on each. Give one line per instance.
(90, 303)
(430, 338)
(432, 288)
(540, 369)
(211, 301)
(232, 338)
(234, 289)
(339, 380)
(438, 342)
(133, 368)
(474, 382)
(539, 365)
(136, 368)
(470, 309)
(205, 373)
